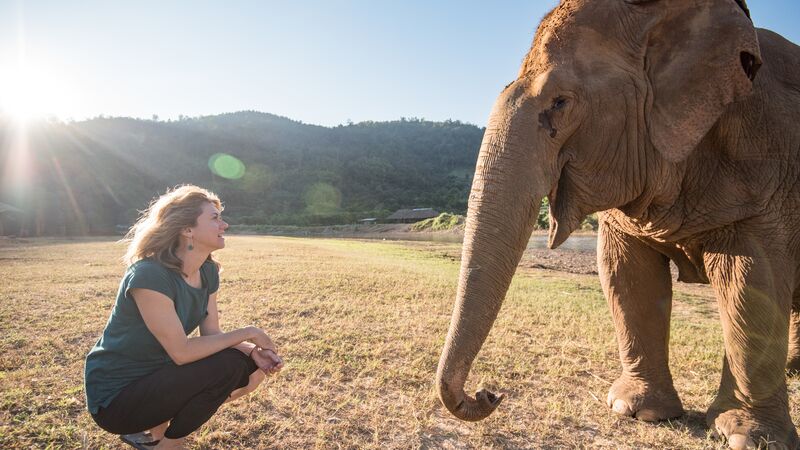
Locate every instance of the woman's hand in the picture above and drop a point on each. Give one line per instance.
(260, 338)
(267, 360)
(265, 354)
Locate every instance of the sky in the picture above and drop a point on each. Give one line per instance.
(323, 62)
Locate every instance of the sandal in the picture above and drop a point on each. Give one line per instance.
(141, 441)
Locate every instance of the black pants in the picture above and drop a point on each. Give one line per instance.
(186, 395)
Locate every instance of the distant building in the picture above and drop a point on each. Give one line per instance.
(369, 220)
(412, 215)
(10, 215)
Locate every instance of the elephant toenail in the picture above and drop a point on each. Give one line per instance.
(740, 442)
(621, 407)
(647, 415)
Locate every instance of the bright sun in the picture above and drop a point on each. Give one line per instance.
(29, 92)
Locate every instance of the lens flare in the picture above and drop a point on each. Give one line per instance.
(259, 178)
(323, 199)
(226, 166)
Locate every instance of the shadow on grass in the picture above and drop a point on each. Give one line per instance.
(702, 306)
(692, 422)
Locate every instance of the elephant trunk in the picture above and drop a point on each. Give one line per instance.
(503, 207)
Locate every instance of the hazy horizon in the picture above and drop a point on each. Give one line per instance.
(71, 120)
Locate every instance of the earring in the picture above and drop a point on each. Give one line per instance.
(191, 241)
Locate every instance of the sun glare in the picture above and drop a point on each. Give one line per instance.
(27, 93)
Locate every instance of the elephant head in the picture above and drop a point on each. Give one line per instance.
(612, 94)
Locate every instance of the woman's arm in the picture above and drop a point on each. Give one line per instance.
(268, 361)
(158, 312)
(210, 325)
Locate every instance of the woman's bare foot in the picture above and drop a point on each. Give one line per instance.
(170, 444)
(158, 431)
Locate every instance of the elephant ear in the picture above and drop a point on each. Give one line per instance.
(700, 58)
(743, 4)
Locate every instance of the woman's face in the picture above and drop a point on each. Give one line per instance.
(208, 233)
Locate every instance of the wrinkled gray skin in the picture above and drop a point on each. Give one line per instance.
(679, 121)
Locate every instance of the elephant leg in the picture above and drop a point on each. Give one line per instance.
(638, 287)
(793, 359)
(754, 293)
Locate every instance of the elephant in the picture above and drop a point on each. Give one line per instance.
(677, 121)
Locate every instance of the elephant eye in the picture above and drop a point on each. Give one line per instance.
(558, 103)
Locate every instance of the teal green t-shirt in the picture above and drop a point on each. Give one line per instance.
(127, 350)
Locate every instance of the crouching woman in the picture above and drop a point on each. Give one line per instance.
(145, 378)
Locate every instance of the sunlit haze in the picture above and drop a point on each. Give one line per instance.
(29, 92)
(319, 62)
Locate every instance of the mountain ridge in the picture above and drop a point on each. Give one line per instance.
(88, 177)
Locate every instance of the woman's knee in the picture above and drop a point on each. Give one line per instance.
(234, 360)
(229, 367)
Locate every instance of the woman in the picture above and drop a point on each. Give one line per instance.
(145, 373)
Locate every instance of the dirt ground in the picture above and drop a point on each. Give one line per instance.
(562, 260)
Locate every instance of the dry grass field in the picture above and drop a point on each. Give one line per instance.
(360, 325)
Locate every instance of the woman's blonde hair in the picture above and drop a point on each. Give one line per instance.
(156, 234)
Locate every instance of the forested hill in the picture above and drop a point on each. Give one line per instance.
(86, 177)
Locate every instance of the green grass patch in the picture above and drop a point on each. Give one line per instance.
(442, 222)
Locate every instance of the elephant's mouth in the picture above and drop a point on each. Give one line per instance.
(566, 213)
(556, 234)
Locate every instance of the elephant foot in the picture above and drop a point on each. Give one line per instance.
(746, 427)
(793, 366)
(645, 401)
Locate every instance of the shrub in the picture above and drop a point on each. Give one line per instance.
(442, 222)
